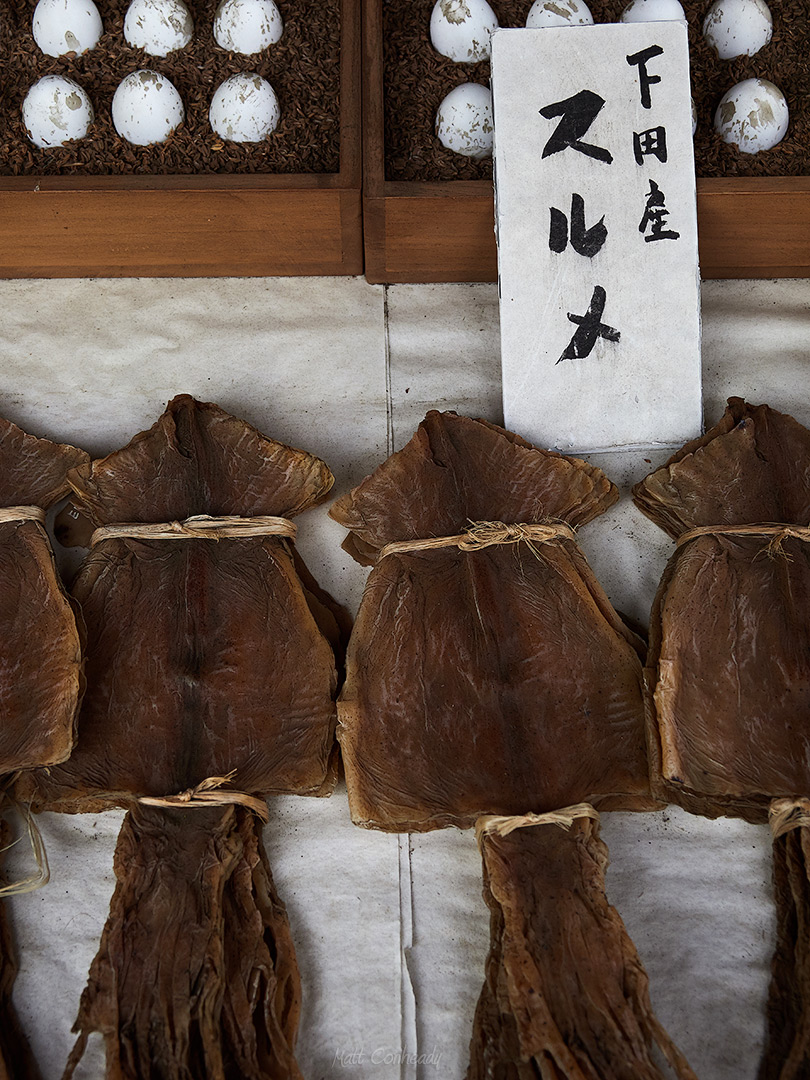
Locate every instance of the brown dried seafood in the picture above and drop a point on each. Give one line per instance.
(728, 672)
(40, 655)
(729, 661)
(489, 680)
(40, 647)
(204, 661)
(565, 996)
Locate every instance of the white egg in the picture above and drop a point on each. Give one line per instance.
(158, 26)
(55, 110)
(247, 26)
(653, 11)
(244, 108)
(461, 29)
(464, 121)
(753, 116)
(738, 27)
(146, 108)
(559, 13)
(66, 26)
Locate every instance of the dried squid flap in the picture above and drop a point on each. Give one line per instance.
(40, 653)
(40, 644)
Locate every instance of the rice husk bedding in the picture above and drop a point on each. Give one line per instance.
(303, 69)
(417, 78)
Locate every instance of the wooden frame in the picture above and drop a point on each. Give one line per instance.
(195, 226)
(422, 232)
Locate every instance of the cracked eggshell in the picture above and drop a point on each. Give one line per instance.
(146, 108)
(247, 26)
(158, 26)
(55, 110)
(66, 26)
(753, 116)
(558, 13)
(244, 108)
(653, 11)
(738, 27)
(464, 121)
(461, 29)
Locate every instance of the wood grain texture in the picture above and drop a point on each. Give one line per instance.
(750, 228)
(195, 226)
(117, 232)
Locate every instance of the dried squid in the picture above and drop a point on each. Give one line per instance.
(40, 658)
(208, 678)
(487, 673)
(728, 672)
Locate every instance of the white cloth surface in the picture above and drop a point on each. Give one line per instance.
(391, 933)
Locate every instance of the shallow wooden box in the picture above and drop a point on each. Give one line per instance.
(443, 231)
(195, 226)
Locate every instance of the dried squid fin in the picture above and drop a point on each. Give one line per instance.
(753, 466)
(455, 470)
(787, 1047)
(566, 996)
(32, 470)
(198, 459)
(195, 977)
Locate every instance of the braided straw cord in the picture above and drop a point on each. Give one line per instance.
(502, 826)
(778, 534)
(208, 793)
(784, 815)
(22, 513)
(43, 872)
(483, 534)
(199, 527)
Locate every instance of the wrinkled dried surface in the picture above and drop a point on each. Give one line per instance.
(787, 1050)
(40, 652)
(16, 1062)
(565, 996)
(729, 664)
(40, 659)
(40, 647)
(194, 913)
(203, 657)
(487, 681)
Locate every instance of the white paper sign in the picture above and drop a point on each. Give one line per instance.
(597, 235)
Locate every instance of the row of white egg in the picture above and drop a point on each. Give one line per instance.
(146, 109)
(156, 26)
(461, 29)
(753, 116)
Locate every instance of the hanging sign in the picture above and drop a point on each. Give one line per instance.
(597, 235)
